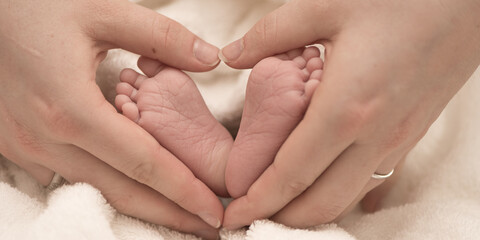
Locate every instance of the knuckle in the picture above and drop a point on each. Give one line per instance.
(296, 186)
(351, 118)
(60, 122)
(99, 12)
(181, 198)
(26, 141)
(163, 32)
(267, 29)
(122, 202)
(409, 130)
(399, 135)
(176, 224)
(18, 135)
(143, 172)
(326, 213)
(358, 111)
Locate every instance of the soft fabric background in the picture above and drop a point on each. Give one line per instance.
(437, 196)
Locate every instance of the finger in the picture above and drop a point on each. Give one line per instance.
(308, 21)
(379, 188)
(125, 194)
(374, 194)
(302, 158)
(128, 148)
(42, 174)
(331, 197)
(143, 31)
(334, 190)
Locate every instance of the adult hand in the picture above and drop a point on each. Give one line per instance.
(390, 69)
(53, 116)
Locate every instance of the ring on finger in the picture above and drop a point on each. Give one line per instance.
(382, 176)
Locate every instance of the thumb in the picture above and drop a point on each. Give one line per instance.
(148, 33)
(296, 24)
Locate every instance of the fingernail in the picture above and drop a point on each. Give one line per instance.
(231, 52)
(206, 53)
(210, 219)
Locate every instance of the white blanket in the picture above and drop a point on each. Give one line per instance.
(437, 196)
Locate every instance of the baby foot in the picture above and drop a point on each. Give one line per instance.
(278, 92)
(169, 106)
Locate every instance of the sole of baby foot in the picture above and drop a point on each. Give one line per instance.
(278, 93)
(170, 107)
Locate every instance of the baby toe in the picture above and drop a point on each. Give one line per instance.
(130, 110)
(292, 54)
(128, 76)
(300, 62)
(120, 100)
(314, 64)
(311, 52)
(132, 77)
(150, 66)
(126, 89)
(317, 74)
(310, 88)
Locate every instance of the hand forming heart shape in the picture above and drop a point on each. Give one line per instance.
(390, 70)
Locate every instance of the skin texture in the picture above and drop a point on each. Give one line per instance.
(390, 69)
(167, 104)
(405, 61)
(53, 115)
(277, 95)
